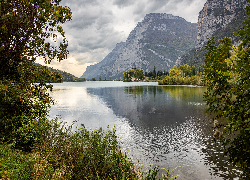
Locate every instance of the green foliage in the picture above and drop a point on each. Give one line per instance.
(24, 97)
(125, 77)
(182, 75)
(227, 74)
(175, 72)
(154, 72)
(131, 73)
(152, 174)
(155, 76)
(25, 25)
(139, 74)
(21, 105)
(150, 74)
(187, 70)
(175, 80)
(160, 73)
(15, 164)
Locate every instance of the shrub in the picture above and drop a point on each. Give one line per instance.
(82, 155)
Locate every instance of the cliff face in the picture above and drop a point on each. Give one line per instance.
(218, 19)
(156, 41)
(216, 15)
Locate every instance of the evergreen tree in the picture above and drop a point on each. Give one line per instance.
(154, 72)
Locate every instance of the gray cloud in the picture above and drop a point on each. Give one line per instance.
(123, 3)
(157, 4)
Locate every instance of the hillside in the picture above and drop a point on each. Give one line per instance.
(66, 77)
(218, 19)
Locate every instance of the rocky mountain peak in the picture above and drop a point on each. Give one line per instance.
(155, 16)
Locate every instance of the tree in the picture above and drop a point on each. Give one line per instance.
(25, 26)
(154, 72)
(227, 75)
(175, 72)
(159, 73)
(139, 74)
(186, 70)
(150, 74)
(131, 73)
(166, 73)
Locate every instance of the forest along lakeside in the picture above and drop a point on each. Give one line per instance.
(181, 75)
(160, 125)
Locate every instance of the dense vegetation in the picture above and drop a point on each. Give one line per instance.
(227, 70)
(23, 90)
(66, 155)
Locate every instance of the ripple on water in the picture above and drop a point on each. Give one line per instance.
(185, 144)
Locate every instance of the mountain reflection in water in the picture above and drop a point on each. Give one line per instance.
(160, 125)
(151, 106)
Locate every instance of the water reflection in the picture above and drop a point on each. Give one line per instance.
(169, 129)
(160, 125)
(75, 104)
(151, 106)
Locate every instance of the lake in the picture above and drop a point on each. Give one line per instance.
(161, 126)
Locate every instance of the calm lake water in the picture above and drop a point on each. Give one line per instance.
(161, 126)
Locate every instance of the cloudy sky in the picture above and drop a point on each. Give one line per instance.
(98, 25)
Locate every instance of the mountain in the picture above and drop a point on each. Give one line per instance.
(102, 68)
(156, 41)
(218, 19)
